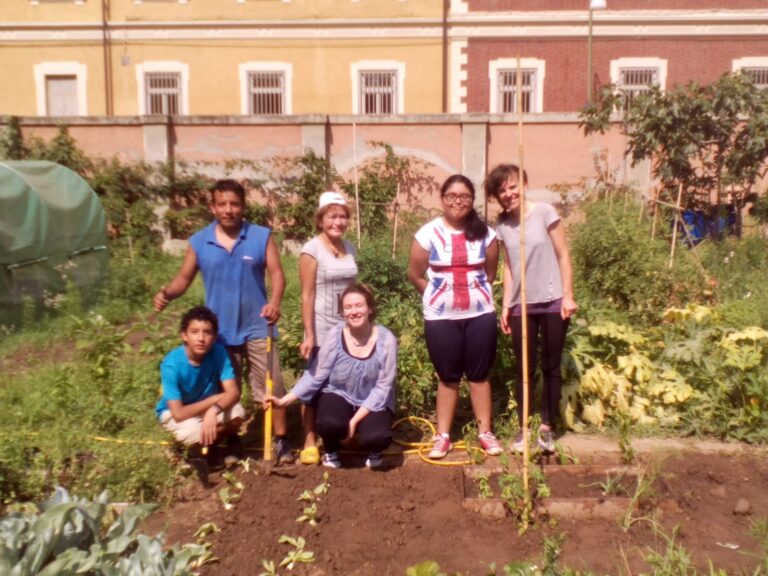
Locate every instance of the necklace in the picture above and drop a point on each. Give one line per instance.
(330, 245)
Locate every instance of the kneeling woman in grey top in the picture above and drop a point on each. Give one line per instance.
(357, 363)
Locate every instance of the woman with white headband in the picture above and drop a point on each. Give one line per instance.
(326, 267)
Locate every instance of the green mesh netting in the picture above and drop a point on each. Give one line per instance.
(52, 230)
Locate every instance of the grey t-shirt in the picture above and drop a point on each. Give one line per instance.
(333, 276)
(543, 282)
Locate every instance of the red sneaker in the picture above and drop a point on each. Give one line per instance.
(490, 444)
(441, 445)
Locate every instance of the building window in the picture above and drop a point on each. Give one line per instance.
(378, 92)
(502, 74)
(635, 76)
(265, 88)
(163, 92)
(163, 87)
(378, 87)
(61, 89)
(759, 76)
(755, 67)
(267, 93)
(508, 90)
(634, 82)
(61, 95)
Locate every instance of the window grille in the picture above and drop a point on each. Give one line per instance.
(508, 91)
(634, 82)
(378, 92)
(61, 95)
(266, 93)
(759, 76)
(163, 92)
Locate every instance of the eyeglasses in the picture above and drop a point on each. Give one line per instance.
(454, 198)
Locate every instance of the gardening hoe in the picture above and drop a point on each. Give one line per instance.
(268, 411)
(200, 465)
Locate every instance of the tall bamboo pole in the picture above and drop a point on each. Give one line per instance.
(523, 295)
(394, 232)
(674, 227)
(357, 191)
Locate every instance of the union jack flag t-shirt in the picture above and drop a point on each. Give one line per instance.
(457, 284)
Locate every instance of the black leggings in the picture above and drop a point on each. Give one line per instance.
(374, 432)
(552, 328)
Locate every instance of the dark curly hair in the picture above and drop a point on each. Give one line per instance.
(474, 227)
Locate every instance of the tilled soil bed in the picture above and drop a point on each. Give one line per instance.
(381, 522)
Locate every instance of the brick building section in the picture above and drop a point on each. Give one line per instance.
(565, 90)
(554, 5)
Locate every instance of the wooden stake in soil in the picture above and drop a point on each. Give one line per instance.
(394, 232)
(523, 296)
(357, 191)
(674, 227)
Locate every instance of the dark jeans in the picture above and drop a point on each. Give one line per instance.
(374, 432)
(552, 329)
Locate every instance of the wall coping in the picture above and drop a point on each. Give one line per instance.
(297, 120)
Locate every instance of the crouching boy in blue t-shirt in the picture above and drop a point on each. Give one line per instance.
(200, 405)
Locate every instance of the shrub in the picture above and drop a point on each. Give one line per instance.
(617, 263)
(298, 184)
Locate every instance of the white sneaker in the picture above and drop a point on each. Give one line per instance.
(546, 441)
(331, 460)
(518, 446)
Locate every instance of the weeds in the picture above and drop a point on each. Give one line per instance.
(611, 486)
(639, 497)
(483, 487)
(231, 493)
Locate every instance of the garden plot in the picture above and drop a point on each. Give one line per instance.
(569, 491)
(383, 522)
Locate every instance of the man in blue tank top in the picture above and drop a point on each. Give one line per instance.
(234, 257)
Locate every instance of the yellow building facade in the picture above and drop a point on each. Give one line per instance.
(222, 57)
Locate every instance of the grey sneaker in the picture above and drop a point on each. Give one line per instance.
(518, 446)
(374, 460)
(331, 460)
(283, 454)
(546, 441)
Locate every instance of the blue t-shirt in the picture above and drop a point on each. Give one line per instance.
(234, 281)
(189, 383)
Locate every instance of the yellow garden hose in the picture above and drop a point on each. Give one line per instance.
(421, 447)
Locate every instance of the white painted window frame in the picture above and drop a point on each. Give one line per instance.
(247, 67)
(161, 1)
(38, 2)
(494, 66)
(373, 66)
(162, 66)
(62, 68)
(659, 63)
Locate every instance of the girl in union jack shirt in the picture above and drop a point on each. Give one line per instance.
(459, 254)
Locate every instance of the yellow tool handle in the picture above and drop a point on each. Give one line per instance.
(268, 392)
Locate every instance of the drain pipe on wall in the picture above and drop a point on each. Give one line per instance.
(107, 50)
(446, 7)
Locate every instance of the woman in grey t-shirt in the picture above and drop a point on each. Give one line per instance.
(326, 267)
(549, 293)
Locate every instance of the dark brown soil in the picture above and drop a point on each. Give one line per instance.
(382, 522)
